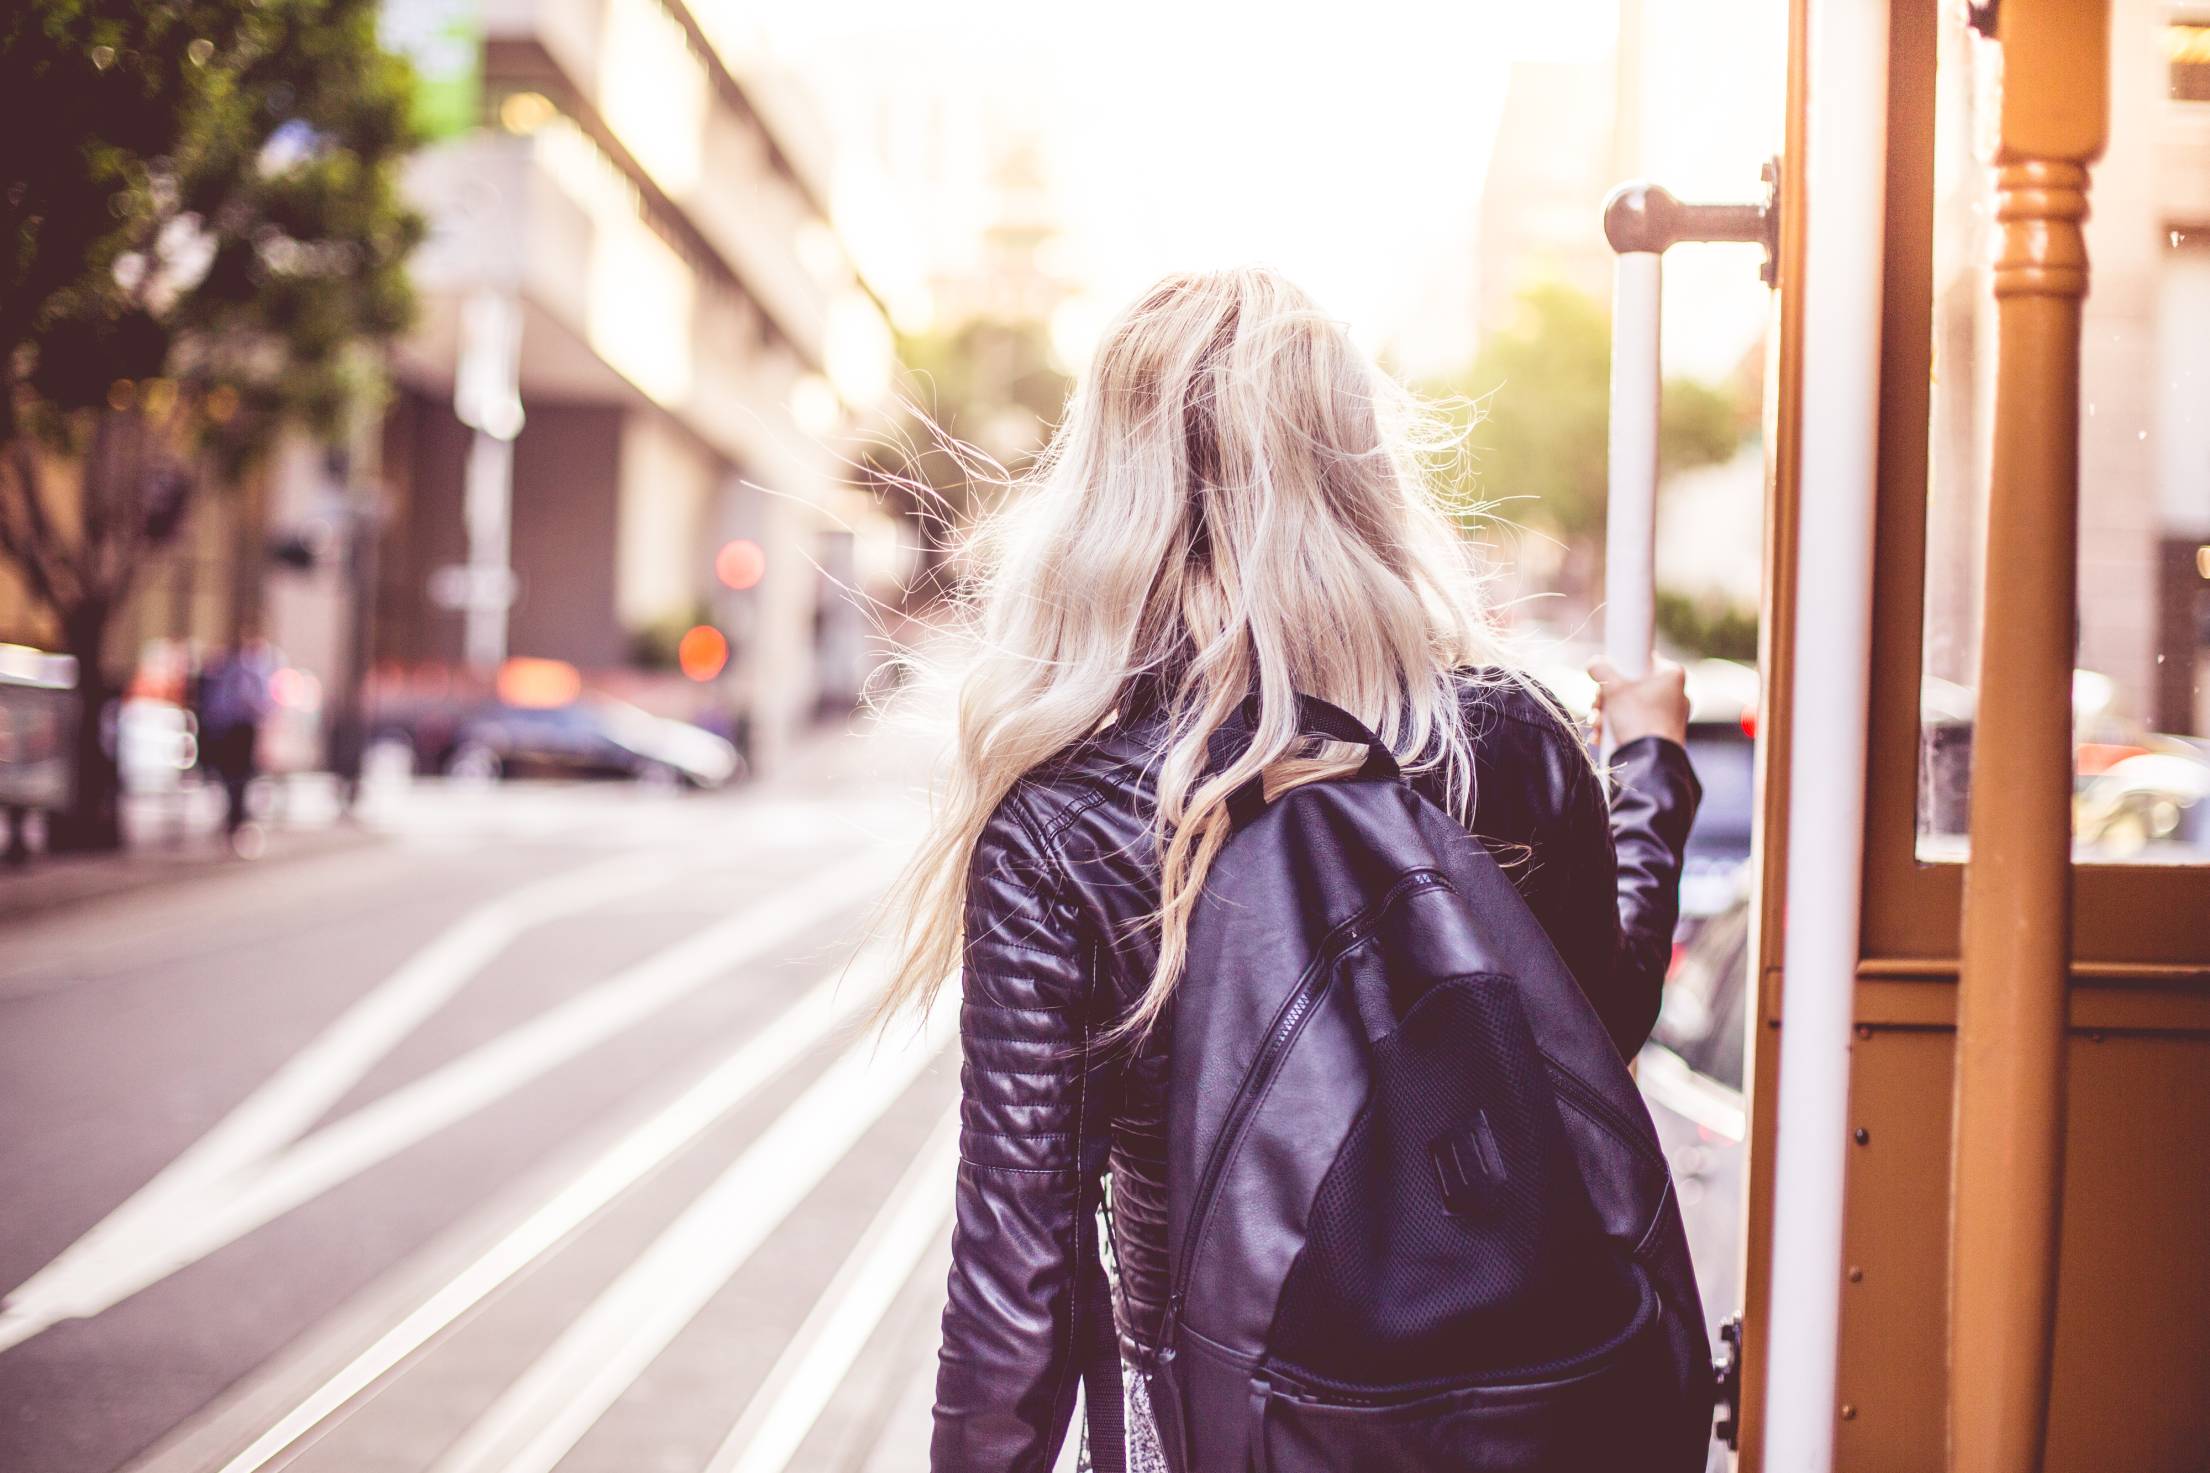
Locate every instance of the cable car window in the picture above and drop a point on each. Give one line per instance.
(2141, 686)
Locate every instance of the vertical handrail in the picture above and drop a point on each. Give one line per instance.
(1843, 234)
(1642, 222)
(1630, 506)
(2007, 1146)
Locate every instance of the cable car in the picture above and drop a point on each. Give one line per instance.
(1976, 1227)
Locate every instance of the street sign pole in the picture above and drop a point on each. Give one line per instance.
(488, 508)
(487, 397)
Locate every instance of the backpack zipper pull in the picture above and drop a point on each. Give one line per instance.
(1167, 1327)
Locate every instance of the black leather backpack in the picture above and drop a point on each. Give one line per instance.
(1418, 1216)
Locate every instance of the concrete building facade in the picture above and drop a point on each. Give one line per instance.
(1641, 101)
(2144, 577)
(693, 339)
(696, 349)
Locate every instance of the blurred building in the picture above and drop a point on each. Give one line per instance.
(2144, 586)
(641, 229)
(1559, 151)
(1686, 93)
(692, 337)
(1007, 273)
(2145, 372)
(960, 153)
(959, 146)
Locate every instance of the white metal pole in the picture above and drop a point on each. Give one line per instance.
(1844, 189)
(487, 508)
(1630, 517)
(487, 398)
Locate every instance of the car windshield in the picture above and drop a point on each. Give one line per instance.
(1726, 764)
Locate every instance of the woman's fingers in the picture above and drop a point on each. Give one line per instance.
(1631, 706)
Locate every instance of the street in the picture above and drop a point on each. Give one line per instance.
(536, 1128)
(531, 1128)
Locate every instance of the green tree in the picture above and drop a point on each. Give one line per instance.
(982, 399)
(204, 240)
(1541, 390)
(1709, 626)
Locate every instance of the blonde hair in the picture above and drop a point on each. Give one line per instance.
(1236, 501)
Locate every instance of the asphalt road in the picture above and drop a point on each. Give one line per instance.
(533, 1130)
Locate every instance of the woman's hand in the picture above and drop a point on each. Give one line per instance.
(1629, 707)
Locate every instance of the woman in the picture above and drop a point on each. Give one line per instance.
(1235, 507)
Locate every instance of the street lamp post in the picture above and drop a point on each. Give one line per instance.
(487, 398)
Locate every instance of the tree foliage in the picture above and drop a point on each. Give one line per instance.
(1542, 392)
(202, 229)
(1709, 626)
(988, 382)
(982, 399)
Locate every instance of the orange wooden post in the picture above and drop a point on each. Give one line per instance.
(2007, 1152)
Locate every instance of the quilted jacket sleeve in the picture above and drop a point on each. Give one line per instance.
(1033, 1143)
(1654, 795)
(1629, 849)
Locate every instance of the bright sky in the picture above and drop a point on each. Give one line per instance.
(1342, 143)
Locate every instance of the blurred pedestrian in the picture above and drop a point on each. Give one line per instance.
(234, 699)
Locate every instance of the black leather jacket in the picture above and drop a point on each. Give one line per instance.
(1057, 949)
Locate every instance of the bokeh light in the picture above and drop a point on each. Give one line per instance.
(741, 563)
(703, 652)
(538, 684)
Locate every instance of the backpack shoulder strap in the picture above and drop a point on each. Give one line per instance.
(1315, 717)
(1105, 1416)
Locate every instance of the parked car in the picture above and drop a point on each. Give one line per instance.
(1722, 746)
(2151, 803)
(590, 736)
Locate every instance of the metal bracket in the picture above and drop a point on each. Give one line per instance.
(1641, 216)
(1726, 1370)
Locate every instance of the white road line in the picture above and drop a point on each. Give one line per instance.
(316, 1077)
(763, 1056)
(601, 1354)
(306, 1085)
(414, 1112)
(195, 1223)
(846, 1316)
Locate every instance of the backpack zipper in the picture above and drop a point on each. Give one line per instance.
(1620, 1127)
(1286, 1026)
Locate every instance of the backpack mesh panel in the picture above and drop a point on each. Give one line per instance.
(1392, 1286)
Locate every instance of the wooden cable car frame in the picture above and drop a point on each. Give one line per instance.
(2024, 1211)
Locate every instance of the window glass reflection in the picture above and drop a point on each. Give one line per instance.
(2141, 689)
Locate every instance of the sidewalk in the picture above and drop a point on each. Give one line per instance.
(179, 835)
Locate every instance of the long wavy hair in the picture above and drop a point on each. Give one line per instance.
(1237, 501)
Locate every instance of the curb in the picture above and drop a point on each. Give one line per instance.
(53, 883)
